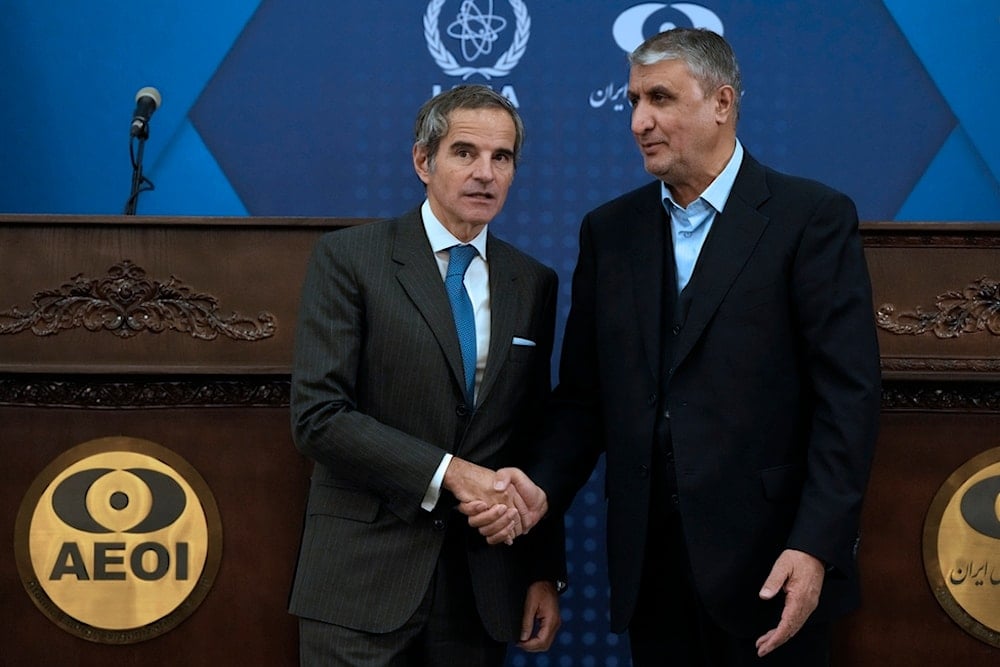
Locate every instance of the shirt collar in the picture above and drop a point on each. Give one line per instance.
(439, 236)
(717, 193)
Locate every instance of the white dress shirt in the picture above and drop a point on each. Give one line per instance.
(477, 284)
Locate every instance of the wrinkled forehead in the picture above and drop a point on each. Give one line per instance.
(673, 74)
(487, 125)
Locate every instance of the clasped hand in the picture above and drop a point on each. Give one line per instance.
(502, 505)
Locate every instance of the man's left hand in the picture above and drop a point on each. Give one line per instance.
(541, 617)
(800, 575)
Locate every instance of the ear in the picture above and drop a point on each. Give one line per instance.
(725, 98)
(421, 162)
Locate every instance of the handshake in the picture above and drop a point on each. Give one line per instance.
(502, 505)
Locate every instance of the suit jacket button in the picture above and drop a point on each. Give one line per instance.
(643, 471)
(439, 524)
(461, 410)
(651, 400)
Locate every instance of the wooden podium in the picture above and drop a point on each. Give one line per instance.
(179, 331)
(935, 287)
(173, 330)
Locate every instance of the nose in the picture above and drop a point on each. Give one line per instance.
(641, 119)
(483, 168)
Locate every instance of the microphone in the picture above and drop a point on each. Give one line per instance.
(147, 100)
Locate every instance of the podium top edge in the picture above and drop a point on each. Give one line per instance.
(39, 219)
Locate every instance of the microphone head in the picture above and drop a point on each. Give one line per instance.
(151, 93)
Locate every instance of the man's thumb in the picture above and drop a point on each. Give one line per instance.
(502, 480)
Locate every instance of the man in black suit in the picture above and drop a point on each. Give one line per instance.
(402, 428)
(721, 351)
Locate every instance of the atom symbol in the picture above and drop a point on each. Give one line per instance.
(477, 30)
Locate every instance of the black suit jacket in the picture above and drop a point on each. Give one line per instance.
(772, 389)
(377, 399)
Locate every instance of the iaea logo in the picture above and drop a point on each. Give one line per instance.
(629, 28)
(477, 29)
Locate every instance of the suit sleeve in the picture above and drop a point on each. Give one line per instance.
(832, 302)
(571, 440)
(547, 542)
(326, 423)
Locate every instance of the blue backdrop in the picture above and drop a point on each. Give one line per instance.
(305, 107)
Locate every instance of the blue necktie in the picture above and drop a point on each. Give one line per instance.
(460, 256)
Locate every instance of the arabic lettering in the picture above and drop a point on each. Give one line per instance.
(975, 573)
(609, 93)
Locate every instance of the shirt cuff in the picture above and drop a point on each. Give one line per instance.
(434, 490)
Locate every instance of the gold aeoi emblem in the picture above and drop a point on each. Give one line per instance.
(118, 540)
(962, 546)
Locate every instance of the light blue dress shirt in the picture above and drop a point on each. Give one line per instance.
(689, 226)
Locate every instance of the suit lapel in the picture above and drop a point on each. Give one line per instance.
(734, 235)
(645, 237)
(505, 299)
(420, 278)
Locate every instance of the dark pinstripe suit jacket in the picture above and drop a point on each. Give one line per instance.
(377, 400)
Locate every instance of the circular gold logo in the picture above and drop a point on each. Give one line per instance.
(118, 540)
(962, 546)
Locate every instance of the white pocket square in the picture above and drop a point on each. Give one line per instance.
(522, 341)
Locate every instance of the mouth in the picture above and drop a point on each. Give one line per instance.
(485, 196)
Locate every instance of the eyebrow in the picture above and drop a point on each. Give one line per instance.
(660, 89)
(465, 145)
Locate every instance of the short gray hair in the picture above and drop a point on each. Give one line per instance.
(708, 56)
(432, 119)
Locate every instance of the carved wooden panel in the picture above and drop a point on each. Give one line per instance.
(937, 298)
(185, 295)
(936, 303)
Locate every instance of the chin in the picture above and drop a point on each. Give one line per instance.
(482, 216)
(658, 170)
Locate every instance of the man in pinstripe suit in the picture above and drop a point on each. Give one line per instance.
(389, 572)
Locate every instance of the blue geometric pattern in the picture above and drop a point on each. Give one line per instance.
(958, 184)
(821, 91)
(73, 69)
(70, 74)
(962, 56)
